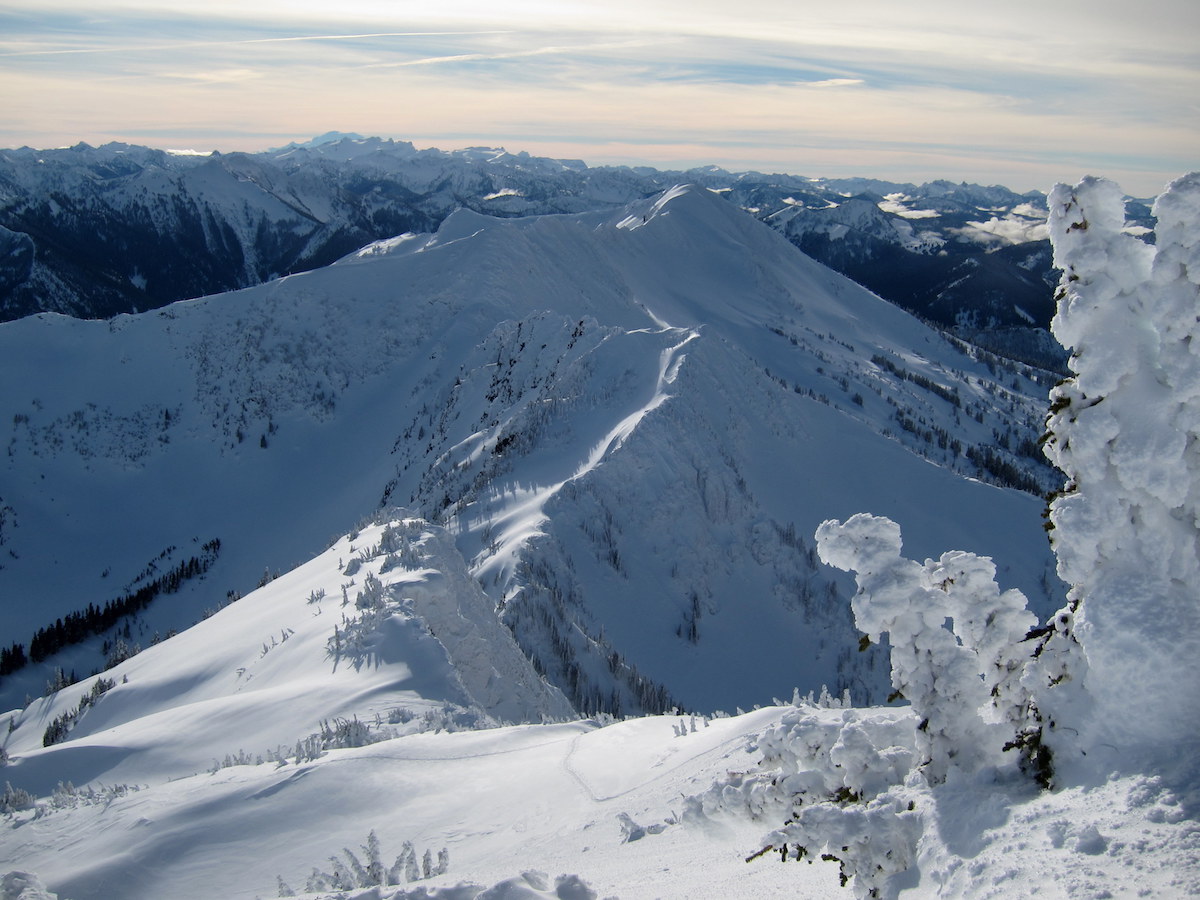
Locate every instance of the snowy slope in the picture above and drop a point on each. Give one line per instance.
(326, 709)
(203, 772)
(629, 421)
(211, 765)
(384, 623)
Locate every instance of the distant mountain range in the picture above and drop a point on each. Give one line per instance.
(93, 232)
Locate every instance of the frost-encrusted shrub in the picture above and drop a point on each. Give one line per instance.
(354, 635)
(816, 755)
(836, 778)
(396, 545)
(851, 752)
(64, 796)
(964, 682)
(342, 733)
(118, 652)
(24, 886)
(15, 800)
(373, 594)
(872, 841)
(67, 796)
(849, 783)
(351, 871)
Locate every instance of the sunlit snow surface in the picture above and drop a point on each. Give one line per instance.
(646, 410)
(263, 674)
(625, 808)
(387, 634)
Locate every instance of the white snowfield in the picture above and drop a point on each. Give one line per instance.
(256, 679)
(168, 787)
(365, 726)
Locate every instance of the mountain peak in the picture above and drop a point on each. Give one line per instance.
(332, 137)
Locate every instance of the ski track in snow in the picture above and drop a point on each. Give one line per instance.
(660, 772)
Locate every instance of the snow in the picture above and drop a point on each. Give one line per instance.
(1132, 836)
(388, 245)
(1123, 428)
(505, 362)
(518, 516)
(504, 800)
(621, 412)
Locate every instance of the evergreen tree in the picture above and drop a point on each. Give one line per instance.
(1124, 428)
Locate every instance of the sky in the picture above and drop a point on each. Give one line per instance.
(1023, 93)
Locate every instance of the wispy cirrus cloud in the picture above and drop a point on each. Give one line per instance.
(49, 49)
(499, 55)
(1026, 93)
(216, 76)
(835, 82)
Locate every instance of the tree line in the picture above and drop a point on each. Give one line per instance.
(76, 627)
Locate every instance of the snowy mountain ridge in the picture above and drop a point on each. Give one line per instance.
(385, 625)
(627, 420)
(93, 232)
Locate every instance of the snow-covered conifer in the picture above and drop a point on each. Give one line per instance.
(357, 869)
(408, 856)
(964, 685)
(993, 626)
(15, 799)
(1124, 430)
(24, 886)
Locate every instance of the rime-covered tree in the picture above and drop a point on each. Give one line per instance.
(964, 681)
(1124, 429)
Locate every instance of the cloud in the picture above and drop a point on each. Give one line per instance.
(554, 50)
(1025, 94)
(219, 76)
(835, 82)
(999, 232)
(133, 47)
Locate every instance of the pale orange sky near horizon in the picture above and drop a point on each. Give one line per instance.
(1024, 95)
